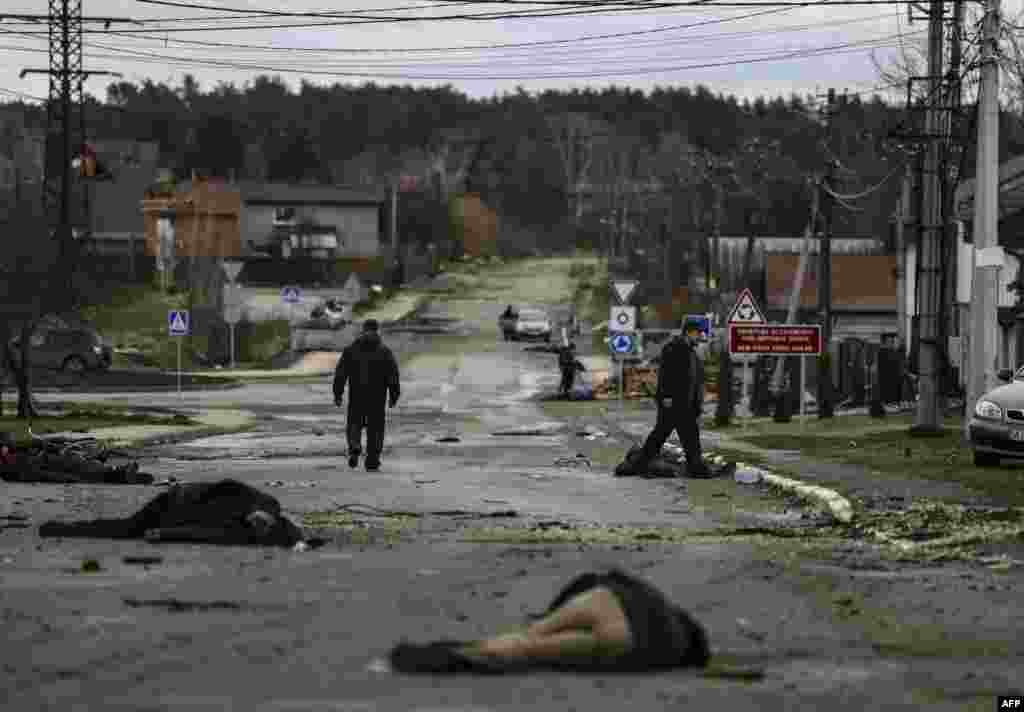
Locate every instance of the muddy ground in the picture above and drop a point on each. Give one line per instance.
(818, 616)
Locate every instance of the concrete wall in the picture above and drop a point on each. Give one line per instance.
(358, 226)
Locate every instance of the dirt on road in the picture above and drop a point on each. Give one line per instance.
(486, 505)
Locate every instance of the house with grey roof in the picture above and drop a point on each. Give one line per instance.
(322, 221)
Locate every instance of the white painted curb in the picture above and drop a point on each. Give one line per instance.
(838, 505)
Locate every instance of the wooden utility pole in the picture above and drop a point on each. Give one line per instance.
(984, 327)
(932, 226)
(826, 203)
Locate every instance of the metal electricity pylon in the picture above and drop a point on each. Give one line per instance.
(65, 115)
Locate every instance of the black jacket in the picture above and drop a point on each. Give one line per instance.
(681, 375)
(369, 368)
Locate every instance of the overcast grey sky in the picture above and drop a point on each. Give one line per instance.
(670, 51)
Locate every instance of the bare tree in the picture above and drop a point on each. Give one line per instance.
(575, 136)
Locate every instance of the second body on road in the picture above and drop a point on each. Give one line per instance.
(370, 370)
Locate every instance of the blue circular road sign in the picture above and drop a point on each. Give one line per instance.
(622, 343)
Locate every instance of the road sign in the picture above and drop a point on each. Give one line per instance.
(178, 322)
(746, 310)
(624, 289)
(622, 319)
(291, 295)
(703, 320)
(352, 292)
(775, 339)
(232, 269)
(621, 343)
(233, 313)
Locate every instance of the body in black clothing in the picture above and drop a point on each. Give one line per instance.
(370, 371)
(221, 512)
(661, 635)
(680, 398)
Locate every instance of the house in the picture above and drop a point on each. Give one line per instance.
(1010, 238)
(321, 221)
(477, 225)
(116, 226)
(864, 294)
(205, 217)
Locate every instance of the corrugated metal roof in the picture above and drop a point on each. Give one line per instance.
(305, 194)
(865, 282)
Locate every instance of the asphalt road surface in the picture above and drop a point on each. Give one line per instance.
(307, 630)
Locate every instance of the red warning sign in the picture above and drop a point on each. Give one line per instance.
(775, 339)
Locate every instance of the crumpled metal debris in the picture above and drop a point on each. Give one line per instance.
(61, 460)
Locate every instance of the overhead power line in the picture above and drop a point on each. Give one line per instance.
(799, 54)
(532, 44)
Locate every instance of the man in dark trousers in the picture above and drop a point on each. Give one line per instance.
(568, 365)
(680, 398)
(371, 371)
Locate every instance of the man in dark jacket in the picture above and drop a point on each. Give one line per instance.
(568, 365)
(371, 371)
(680, 398)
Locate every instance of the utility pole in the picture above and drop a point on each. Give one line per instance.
(932, 226)
(955, 151)
(983, 317)
(825, 269)
(67, 77)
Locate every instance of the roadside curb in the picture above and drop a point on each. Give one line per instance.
(837, 505)
(172, 437)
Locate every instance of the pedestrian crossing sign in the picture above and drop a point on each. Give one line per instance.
(291, 295)
(178, 322)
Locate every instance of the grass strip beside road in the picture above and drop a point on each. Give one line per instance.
(85, 418)
(895, 452)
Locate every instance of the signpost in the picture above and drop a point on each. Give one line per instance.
(622, 326)
(232, 314)
(778, 340)
(178, 324)
(745, 311)
(291, 296)
(232, 300)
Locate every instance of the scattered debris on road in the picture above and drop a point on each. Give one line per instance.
(142, 560)
(367, 510)
(62, 460)
(580, 460)
(175, 605)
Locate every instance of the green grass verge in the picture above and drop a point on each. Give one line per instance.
(136, 316)
(898, 454)
(86, 418)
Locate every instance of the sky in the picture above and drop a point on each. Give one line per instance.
(746, 51)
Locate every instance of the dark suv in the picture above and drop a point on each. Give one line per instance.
(75, 350)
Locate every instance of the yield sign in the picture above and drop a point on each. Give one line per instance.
(231, 269)
(746, 310)
(624, 289)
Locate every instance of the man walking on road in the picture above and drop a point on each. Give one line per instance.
(371, 371)
(680, 398)
(568, 365)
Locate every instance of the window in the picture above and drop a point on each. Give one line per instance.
(284, 216)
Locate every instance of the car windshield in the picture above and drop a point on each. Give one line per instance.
(529, 315)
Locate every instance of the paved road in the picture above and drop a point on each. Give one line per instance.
(307, 629)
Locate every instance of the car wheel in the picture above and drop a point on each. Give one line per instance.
(985, 459)
(74, 364)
